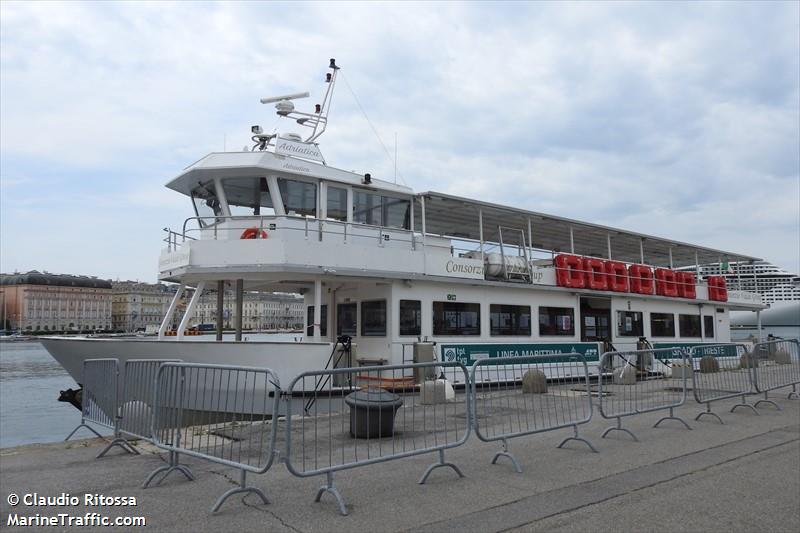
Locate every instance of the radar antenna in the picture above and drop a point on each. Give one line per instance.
(317, 121)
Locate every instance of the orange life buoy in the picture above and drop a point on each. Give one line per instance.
(686, 285)
(641, 277)
(569, 271)
(596, 278)
(617, 276)
(717, 289)
(253, 233)
(666, 283)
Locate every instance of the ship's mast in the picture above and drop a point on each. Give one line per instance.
(284, 107)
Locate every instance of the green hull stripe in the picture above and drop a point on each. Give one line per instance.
(715, 350)
(467, 354)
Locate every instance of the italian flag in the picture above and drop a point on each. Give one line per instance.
(726, 268)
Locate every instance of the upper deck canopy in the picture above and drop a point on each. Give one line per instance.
(458, 217)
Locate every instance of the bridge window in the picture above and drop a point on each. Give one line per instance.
(410, 317)
(346, 319)
(337, 203)
(373, 318)
(206, 204)
(556, 321)
(367, 208)
(299, 197)
(453, 318)
(662, 324)
(396, 212)
(630, 324)
(376, 210)
(510, 319)
(689, 325)
(248, 196)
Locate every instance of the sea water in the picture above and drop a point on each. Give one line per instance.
(30, 380)
(30, 412)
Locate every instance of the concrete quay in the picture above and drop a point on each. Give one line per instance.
(740, 476)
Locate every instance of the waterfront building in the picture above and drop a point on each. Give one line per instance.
(138, 306)
(260, 311)
(772, 282)
(44, 302)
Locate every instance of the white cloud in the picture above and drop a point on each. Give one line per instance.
(680, 121)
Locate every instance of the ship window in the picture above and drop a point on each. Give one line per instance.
(708, 326)
(453, 318)
(323, 321)
(689, 325)
(299, 198)
(662, 324)
(337, 203)
(373, 318)
(396, 212)
(367, 208)
(376, 210)
(346, 319)
(630, 324)
(410, 317)
(248, 196)
(510, 319)
(206, 204)
(556, 321)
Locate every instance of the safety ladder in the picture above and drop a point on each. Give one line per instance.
(512, 269)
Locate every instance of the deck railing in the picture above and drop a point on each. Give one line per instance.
(231, 227)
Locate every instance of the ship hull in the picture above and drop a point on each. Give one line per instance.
(285, 359)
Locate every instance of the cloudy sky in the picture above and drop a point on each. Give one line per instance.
(679, 119)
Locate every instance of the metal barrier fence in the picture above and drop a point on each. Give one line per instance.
(345, 418)
(517, 396)
(720, 372)
(777, 365)
(220, 413)
(350, 417)
(641, 381)
(138, 389)
(99, 401)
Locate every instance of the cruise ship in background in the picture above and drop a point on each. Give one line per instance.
(779, 289)
(772, 282)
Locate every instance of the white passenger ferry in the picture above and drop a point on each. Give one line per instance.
(410, 276)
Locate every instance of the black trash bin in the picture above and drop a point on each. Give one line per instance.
(372, 412)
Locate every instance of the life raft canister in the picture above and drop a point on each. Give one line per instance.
(253, 233)
(596, 278)
(686, 285)
(641, 278)
(617, 276)
(717, 289)
(666, 283)
(570, 271)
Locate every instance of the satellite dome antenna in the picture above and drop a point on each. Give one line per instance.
(284, 107)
